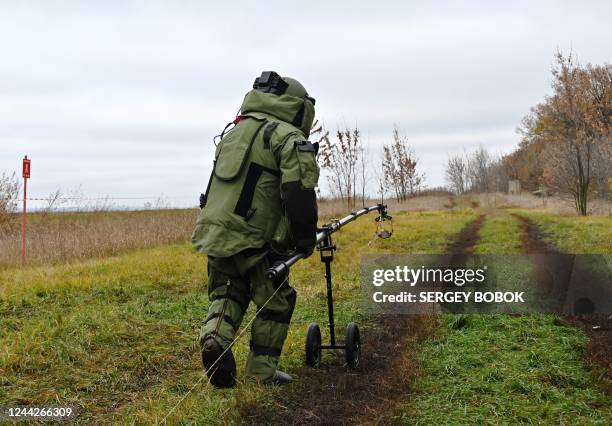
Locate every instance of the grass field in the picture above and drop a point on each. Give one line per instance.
(571, 234)
(115, 336)
(493, 369)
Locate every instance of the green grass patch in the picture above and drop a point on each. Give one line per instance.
(500, 233)
(505, 370)
(574, 234)
(501, 369)
(117, 337)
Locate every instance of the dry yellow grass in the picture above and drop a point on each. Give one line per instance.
(493, 200)
(60, 237)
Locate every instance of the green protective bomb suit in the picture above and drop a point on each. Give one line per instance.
(260, 204)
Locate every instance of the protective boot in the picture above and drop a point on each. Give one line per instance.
(221, 374)
(269, 330)
(280, 378)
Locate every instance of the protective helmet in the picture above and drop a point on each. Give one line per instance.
(294, 88)
(271, 82)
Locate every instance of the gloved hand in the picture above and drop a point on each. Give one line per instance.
(306, 249)
(301, 208)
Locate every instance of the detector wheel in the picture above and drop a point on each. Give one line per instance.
(313, 345)
(352, 346)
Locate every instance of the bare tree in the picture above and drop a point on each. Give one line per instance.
(400, 167)
(479, 166)
(498, 174)
(341, 156)
(381, 181)
(477, 171)
(456, 174)
(363, 170)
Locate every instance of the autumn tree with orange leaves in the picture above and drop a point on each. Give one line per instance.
(571, 130)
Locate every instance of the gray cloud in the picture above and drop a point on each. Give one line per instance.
(125, 97)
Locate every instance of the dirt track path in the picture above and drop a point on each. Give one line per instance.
(598, 328)
(335, 395)
(533, 237)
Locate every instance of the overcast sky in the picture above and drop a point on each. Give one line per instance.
(124, 97)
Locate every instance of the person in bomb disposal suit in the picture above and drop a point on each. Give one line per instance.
(259, 206)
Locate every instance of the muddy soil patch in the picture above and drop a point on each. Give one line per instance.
(599, 350)
(465, 241)
(334, 394)
(597, 327)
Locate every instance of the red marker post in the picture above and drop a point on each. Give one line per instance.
(26, 176)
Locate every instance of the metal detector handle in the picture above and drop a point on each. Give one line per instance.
(280, 270)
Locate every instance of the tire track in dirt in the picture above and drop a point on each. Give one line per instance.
(533, 237)
(333, 394)
(464, 243)
(597, 327)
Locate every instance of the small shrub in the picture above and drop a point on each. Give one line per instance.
(9, 195)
